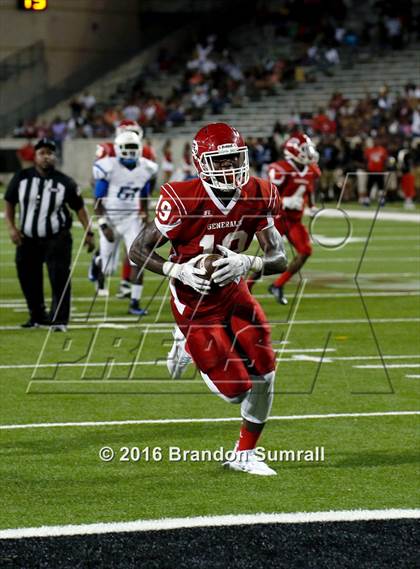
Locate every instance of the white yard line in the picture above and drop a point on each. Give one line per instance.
(211, 521)
(387, 365)
(383, 215)
(126, 323)
(207, 420)
(19, 302)
(322, 260)
(349, 274)
(129, 323)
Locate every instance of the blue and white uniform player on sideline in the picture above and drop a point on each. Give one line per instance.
(121, 188)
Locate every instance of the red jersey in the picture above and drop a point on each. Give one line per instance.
(107, 149)
(290, 180)
(376, 158)
(195, 220)
(323, 124)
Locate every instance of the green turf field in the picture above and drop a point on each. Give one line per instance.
(324, 338)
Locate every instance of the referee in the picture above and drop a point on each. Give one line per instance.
(43, 194)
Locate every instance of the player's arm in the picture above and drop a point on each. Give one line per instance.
(144, 201)
(143, 254)
(274, 259)
(11, 198)
(143, 250)
(101, 191)
(9, 215)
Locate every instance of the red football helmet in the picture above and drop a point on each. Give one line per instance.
(300, 148)
(129, 126)
(212, 144)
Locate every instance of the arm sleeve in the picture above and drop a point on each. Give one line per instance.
(271, 210)
(12, 193)
(101, 188)
(170, 213)
(73, 195)
(145, 191)
(101, 169)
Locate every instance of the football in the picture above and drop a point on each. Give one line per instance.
(207, 264)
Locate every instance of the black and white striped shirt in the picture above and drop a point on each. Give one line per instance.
(43, 201)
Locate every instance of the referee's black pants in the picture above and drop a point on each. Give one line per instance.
(55, 251)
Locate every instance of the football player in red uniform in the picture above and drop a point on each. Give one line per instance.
(295, 178)
(222, 326)
(107, 149)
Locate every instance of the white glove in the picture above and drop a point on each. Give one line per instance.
(292, 202)
(233, 265)
(188, 274)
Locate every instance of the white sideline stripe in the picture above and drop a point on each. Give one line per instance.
(371, 366)
(316, 260)
(18, 302)
(413, 375)
(363, 276)
(211, 521)
(132, 324)
(201, 420)
(370, 214)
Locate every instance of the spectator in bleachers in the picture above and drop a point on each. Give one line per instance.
(415, 120)
(329, 163)
(131, 111)
(394, 31)
(88, 101)
(26, 154)
(175, 112)
(406, 157)
(323, 124)
(376, 157)
(76, 107)
(199, 102)
(167, 165)
(58, 134)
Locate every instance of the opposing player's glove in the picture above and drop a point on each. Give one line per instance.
(292, 202)
(233, 265)
(188, 274)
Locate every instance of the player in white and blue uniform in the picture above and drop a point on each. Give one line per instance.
(121, 184)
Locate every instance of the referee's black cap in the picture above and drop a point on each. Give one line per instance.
(46, 143)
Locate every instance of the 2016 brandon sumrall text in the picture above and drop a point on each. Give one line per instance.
(178, 454)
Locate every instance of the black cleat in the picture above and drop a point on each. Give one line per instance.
(30, 324)
(277, 292)
(37, 322)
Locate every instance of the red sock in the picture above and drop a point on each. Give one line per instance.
(282, 280)
(126, 270)
(247, 440)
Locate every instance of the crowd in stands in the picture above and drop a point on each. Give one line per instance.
(343, 131)
(212, 77)
(346, 131)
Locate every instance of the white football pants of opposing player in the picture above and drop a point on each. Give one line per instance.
(126, 229)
